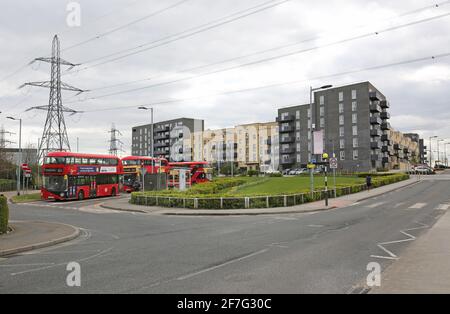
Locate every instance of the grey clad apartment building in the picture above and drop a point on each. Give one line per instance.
(354, 119)
(171, 139)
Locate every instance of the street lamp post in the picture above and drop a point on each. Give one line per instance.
(20, 153)
(446, 156)
(439, 155)
(313, 126)
(431, 151)
(151, 132)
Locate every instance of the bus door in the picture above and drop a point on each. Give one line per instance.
(72, 187)
(93, 187)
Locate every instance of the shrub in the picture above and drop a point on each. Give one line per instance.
(4, 214)
(252, 173)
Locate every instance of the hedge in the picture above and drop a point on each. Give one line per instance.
(7, 185)
(217, 201)
(4, 214)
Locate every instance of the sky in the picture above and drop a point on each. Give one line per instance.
(184, 44)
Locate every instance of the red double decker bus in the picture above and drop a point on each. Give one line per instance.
(132, 166)
(200, 171)
(69, 176)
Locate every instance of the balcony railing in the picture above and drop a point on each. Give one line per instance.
(385, 115)
(374, 96)
(287, 140)
(288, 161)
(384, 104)
(374, 107)
(385, 160)
(286, 129)
(375, 133)
(385, 126)
(384, 137)
(375, 145)
(288, 151)
(375, 120)
(375, 157)
(286, 118)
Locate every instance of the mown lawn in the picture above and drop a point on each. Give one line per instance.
(26, 198)
(289, 185)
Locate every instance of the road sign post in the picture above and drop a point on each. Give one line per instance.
(334, 166)
(325, 158)
(143, 173)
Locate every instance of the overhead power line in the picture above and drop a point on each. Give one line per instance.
(251, 89)
(116, 29)
(266, 59)
(181, 35)
(311, 39)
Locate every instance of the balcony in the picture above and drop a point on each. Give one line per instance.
(162, 137)
(287, 118)
(385, 137)
(288, 151)
(385, 126)
(385, 115)
(162, 129)
(375, 157)
(384, 104)
(180, 151)
(396, 146)
(374, 96)
(288, 161)
(375, 133)
(375, 145)
(387, 149)
(157, 145)
(385, 160)
(375, 120)
(374, 107)
(286, 140)
(406, 150)
(286, 129)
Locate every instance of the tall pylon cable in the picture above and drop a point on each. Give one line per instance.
(54, 136)
(3, 140)
(115, 141)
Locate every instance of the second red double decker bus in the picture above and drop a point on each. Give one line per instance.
(69, 176)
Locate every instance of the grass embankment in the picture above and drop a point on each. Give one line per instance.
(4, 215)
(26, 198)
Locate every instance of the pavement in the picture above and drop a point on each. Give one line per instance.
(10, 194)
(124, 205)
(424, 267)
(31, 235)
(315, 252)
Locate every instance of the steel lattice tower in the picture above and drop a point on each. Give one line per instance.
(113, 147)
(54, 136)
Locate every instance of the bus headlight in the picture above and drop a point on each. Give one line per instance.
(62, 194)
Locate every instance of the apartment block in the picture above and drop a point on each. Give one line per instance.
(355, 123)
(406, 150)
(250, 146)
(173, 139)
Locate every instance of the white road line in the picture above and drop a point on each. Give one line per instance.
(399, 204)
(375, 205)
(221, 265)
(418, 206)
(443, 207)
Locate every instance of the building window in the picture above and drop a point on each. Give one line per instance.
(354, 94)
(297, 125)
(298, 147)
(299, 158)
(342, 143)
(354, 106)
(322, 111)
(341, 131)
(355, 130)
(309, 113)
(309, 124)
(341, 96)
(322, 122)
(341, 108)
(355, 155)
(297, 114)
(341, 120)
(342, 155)
(284, 115)
(298, 136)
(355, 118)
(355, 142)
(322, 100)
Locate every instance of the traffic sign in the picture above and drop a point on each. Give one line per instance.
(333, 163)
(313, 161)
(143, 171)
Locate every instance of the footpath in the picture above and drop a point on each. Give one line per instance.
(124, 205)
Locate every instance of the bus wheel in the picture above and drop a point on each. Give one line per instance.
(113, 192)
(80, 195)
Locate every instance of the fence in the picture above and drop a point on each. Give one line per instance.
(7, 186)
(271, 201)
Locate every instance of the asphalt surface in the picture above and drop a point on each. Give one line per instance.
(323, 252)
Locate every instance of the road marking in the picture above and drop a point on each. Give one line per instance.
(418, 206)
(443, 207)
(375, 205)
(399, 204)
(316, 226)
(221, 265)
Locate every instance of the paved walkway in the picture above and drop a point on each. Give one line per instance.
(124, 205)
(13, 193)
(30, 235)
(424, 266)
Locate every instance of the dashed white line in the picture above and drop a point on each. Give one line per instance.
(418, 206)
(375, 205)
(442, 207)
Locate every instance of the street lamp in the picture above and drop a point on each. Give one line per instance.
(20, 152)
(431, 151)
(151, 127)
(446, 156)
(313, 126)
(439, 155)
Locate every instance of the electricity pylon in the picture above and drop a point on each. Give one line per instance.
(54, 136)
(113, 147)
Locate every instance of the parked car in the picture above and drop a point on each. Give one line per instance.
(293, 172)
(285, 172)
(423, 170)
